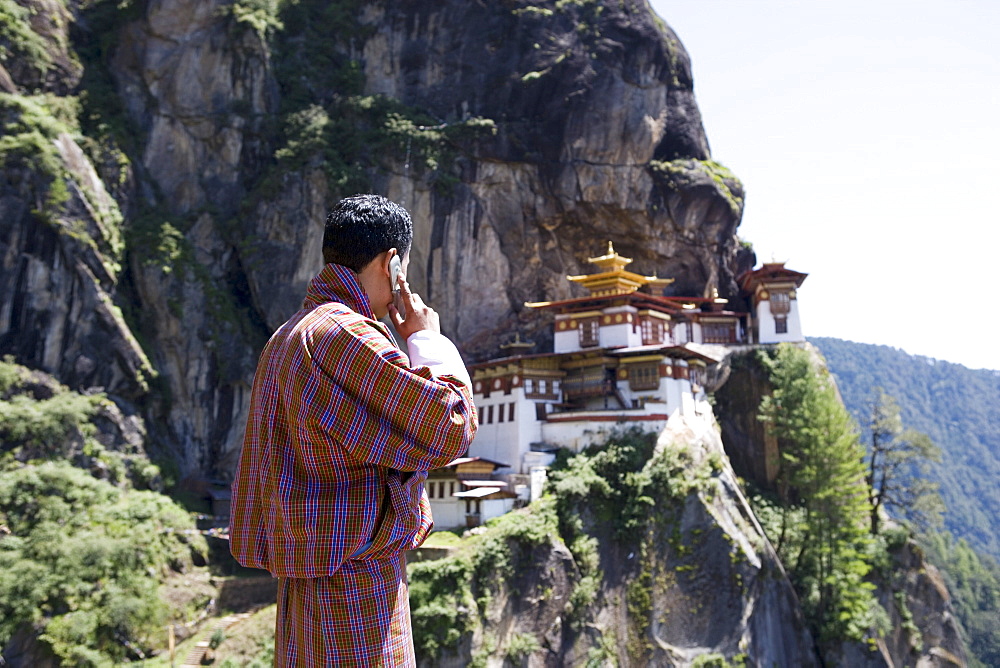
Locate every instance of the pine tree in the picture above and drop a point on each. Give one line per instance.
(897, 465)
(822, 473)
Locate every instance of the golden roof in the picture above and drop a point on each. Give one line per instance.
(615, 280)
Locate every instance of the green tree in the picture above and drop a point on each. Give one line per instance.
(898, 461)
(822, 478)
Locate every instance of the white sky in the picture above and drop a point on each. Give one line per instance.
(867, 137)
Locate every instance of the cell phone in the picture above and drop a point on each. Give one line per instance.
(395, 270)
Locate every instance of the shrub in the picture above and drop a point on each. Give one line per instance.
(84, 559)
(521, 646)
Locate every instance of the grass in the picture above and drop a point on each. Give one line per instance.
(444, 539)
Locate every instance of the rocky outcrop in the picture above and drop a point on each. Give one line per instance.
(598, 137)
(701, 582)
(722, 572)
(59, 272)
(923, 630)
(593, 134)
(751, 449)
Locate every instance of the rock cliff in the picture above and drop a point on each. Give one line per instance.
(922, 627)
(522, 136)
(167, 165)
(681, 575)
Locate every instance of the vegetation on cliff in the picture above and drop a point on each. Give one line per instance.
(899, 462)
(81, 557)
(957, 408)
(974, 583)
(83, 561)
(622, 497)
(821, 533)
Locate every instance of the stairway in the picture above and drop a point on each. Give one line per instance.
(197, 653)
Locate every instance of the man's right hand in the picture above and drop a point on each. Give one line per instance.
(419, 316)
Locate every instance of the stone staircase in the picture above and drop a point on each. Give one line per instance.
(197, 653)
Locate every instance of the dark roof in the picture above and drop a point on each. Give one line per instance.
(770, 271)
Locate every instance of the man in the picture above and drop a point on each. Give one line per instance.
(342, 430)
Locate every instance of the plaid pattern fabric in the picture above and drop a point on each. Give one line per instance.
(340, 435)
(360, 616)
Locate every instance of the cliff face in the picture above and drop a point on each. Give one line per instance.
(521, 136)
(598, 137)
(682, 577)
(923, 630)
(167, 165)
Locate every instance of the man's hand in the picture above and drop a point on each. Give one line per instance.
(419, 316)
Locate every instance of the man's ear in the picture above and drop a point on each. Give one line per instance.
(389, 254)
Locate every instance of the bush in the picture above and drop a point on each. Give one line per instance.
(521, 646)
(84, 560)
(46, 428)
(441, 604)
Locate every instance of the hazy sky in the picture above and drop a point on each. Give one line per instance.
(867, 137)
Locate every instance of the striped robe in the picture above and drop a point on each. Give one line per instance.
(329, 489)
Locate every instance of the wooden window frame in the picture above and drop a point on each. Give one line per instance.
(718, 332)
(644, 376)
(652, 331)
(781, 302)
(590, 332)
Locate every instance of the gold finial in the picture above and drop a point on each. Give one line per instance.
(611, 248)
(517, 343)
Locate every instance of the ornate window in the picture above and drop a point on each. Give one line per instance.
(780, 302)
(718, 332)
(652, 331)
(589, 332)
(780, 324)
(643, 376)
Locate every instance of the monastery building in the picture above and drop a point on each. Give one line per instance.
(624, 355)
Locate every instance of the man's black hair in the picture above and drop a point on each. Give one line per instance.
(359, 228)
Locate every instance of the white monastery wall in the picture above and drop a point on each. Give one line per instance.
(766, 329)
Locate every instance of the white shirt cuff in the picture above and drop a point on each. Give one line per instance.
(439, 354)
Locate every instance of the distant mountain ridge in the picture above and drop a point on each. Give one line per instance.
(958, 407)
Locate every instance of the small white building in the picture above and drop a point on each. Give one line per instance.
(465, 494)
(773, 294)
